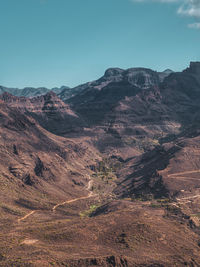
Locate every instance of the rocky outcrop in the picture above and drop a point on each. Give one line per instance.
(31, 156)
(138, 106)
(142, 78)
(49, 110)
(109, 261)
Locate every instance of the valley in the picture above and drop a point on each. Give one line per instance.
(108, 176)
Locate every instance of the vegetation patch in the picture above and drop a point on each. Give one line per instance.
(87, 213)
(159, 203)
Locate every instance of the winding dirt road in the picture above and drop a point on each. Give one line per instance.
(71, 201)
(182, 173)
(26, 216)
(91, 194)
(178, 175)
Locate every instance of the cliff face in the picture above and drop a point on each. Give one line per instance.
(142, 78)
(34, 162)
(125, 107)
(49, 110)
(39, 104)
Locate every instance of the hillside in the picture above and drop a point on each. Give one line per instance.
(48, 110)
(109, 177)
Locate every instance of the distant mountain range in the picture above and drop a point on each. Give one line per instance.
(31, 91)
(52, 108)
(144, 77)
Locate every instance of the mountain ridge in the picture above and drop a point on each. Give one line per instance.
(31, 91)
(66, 92)
(106, 177)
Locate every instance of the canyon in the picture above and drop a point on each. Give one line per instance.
(103, 174)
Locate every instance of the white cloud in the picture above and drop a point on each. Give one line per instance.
(189, 8)
(194, 25)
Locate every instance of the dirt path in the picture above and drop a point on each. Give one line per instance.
(72, 200)
(185, 198)
(26, 216)
(182, 173)
(91, 194)
(184, 178)
(178, 175)
(29, 241)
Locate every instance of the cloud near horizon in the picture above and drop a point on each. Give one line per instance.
(194, 25)
(189, 8)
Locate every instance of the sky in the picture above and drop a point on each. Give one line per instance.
(68, 42)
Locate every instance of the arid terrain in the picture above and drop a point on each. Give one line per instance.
(104, 174)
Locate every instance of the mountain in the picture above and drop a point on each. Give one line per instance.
(67, 93)
(31, 91)
(55, 218)
(134, 124)
(170, 170)
(26, 92)
(48, 110)
(121, 116)
(125, 113)
(31, 156)
(139, 77)
(164, 74)
(106, 177)
(58, 90)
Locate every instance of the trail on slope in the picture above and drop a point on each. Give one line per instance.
(184, 178)
(26, 216)
(70, 201)
(178, 176)
(91, 194)
(182, 173)
(29, 241)
(185, 198)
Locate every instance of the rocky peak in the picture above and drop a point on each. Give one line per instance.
(194, 70)
(36, 104)
(168, 71)
(142, 78)
(113, 72)
(139, 77)
(195, 67)
(49, 96)
(7, 97)
(58, 90)
(164, 74)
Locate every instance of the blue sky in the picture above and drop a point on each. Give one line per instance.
(67, 42)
